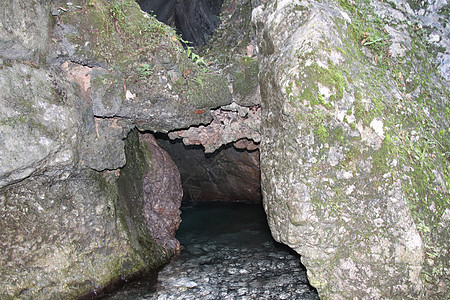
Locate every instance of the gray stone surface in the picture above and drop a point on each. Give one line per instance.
(20, 24)
(340, 124)
(63, 238)
(40, 122)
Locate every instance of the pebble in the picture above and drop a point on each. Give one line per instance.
(217, 265)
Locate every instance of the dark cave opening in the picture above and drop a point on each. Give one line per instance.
(227, 175)
(195, 20)
(224, 234)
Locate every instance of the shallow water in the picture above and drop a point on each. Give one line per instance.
(229, 254)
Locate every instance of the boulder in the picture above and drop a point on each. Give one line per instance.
(162, 195)
(354, 147)
(80, 196)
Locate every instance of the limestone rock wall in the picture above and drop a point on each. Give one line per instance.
(81, 196)
(354, 145)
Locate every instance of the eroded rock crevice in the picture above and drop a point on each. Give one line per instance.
(228, 174)
(195, 20)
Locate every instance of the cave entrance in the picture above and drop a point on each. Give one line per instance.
(228, 175)
(228, 250)
(194, 20)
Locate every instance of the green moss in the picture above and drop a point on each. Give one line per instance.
(379, 106)
(416, 4)
(11, 121)
(288, 88)
(366, 30)
(352, 154)
(309, 95)
(332, 77)
(321, 100)
(246, 79)
(418, 158)
(348, 5)
(339, 134)
(117, 31)
(359, 109)
(322, 133)
(382, 156)
(206, 90)
(341, 50)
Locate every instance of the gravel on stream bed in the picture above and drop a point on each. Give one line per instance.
(235, 259)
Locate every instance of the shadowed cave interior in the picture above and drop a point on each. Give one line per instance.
(227, 248)
(229, 174)
(195, 20)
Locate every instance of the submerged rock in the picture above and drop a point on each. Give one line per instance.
(228, 254)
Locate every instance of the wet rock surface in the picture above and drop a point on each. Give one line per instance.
(235, 258)
(162, 196)
(229, 174)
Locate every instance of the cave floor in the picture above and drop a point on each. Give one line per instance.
(229, 254)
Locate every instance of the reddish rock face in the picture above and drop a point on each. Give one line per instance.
(228, 174)
(162, 196)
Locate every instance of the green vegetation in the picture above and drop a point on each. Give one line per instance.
(382, 157)
(415, 136)
(13, 120)
(117, 31)
(322, 133)
(145, 71)
(246, 77)
(197, 59)
(331, 76)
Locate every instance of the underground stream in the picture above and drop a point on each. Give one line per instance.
(228, 254)
(228, 251)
